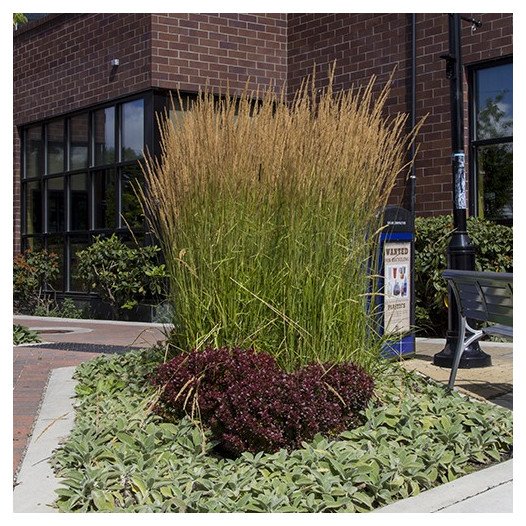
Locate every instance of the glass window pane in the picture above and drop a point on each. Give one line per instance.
(32, 242)
(56, 245)
(33, 151)
(104, 136)
(78, 142)
(104, 199)
(130, 209)
(55, 147)
(494, 102)
(78, 202)
(55, 204)
(33, 204)
(495, 182)
(76, 283)
(132, 130)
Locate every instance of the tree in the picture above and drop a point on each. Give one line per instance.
(19, 18)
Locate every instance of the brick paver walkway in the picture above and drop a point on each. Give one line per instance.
(32, 365)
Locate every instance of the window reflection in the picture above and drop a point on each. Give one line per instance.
(495, 182)
(130, 210)
(33, 204)
(78, 202)
(55, 204)
(33, 151)
(104, 199)
(494, 94)
(132, 130)
(55, 147)
(78, 142)
(104, 136)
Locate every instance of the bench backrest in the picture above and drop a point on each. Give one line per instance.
(484, 296)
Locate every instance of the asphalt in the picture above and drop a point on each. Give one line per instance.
(486, 491)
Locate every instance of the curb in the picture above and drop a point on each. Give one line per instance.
(35, 482)
(23, 317)
(489, 490)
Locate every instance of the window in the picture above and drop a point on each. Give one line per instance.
(55, 147)
(75, 185)
(132, 130)
(33, 151)
(104, 136)
(33, 207)
(78, 142)
(492, 142)
(78, 202)
(131, 211)
(104, 199)
(55, 204)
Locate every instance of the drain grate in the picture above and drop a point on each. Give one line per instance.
(86, 347)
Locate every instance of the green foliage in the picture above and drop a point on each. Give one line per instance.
(121, 456)
(23, 335)
(32, 270)
(121, 275)
(494, 252)
(19, 18)
(267, 215)
(66, 309)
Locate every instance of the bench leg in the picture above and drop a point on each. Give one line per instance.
(459, 351)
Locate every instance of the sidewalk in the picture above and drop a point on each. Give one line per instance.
(79, 340)
(33, 364)
(493, 383)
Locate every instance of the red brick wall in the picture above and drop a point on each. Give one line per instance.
(64, 65)
(372, 44)
(492, 40)
(362, 45)
(191, 50)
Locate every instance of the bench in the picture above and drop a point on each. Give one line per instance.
(485, 297)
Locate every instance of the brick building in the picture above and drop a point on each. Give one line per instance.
(81, 121)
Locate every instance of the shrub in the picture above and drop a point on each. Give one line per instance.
(273, 410)
(205, 376)
(66, 309)
(33, 272)
(252, 405)
(23, 335)
(264, 213)
(494, 252)
(121, 275)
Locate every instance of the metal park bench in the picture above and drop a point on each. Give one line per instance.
(485, 297)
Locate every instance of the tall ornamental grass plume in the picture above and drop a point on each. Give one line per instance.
(267, 213)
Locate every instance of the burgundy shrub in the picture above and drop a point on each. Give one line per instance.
(252, 405)
(206, 374)
(270, 411)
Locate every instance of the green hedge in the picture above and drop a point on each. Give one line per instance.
(494, 252)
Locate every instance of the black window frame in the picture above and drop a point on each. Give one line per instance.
(150, 134)
(474, 143)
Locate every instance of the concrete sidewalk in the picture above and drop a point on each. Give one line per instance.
(79, 341)
(494, 383)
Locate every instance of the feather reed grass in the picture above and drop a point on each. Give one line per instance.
(267, 214)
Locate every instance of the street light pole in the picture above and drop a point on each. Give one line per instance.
(460, 252)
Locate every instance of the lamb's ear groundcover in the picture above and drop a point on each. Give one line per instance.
(121, 456)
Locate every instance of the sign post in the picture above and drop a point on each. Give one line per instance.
(460, 252)
(395, 303)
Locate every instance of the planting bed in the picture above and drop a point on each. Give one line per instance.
(121, 456)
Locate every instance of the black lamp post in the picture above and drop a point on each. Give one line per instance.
(460, 252)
